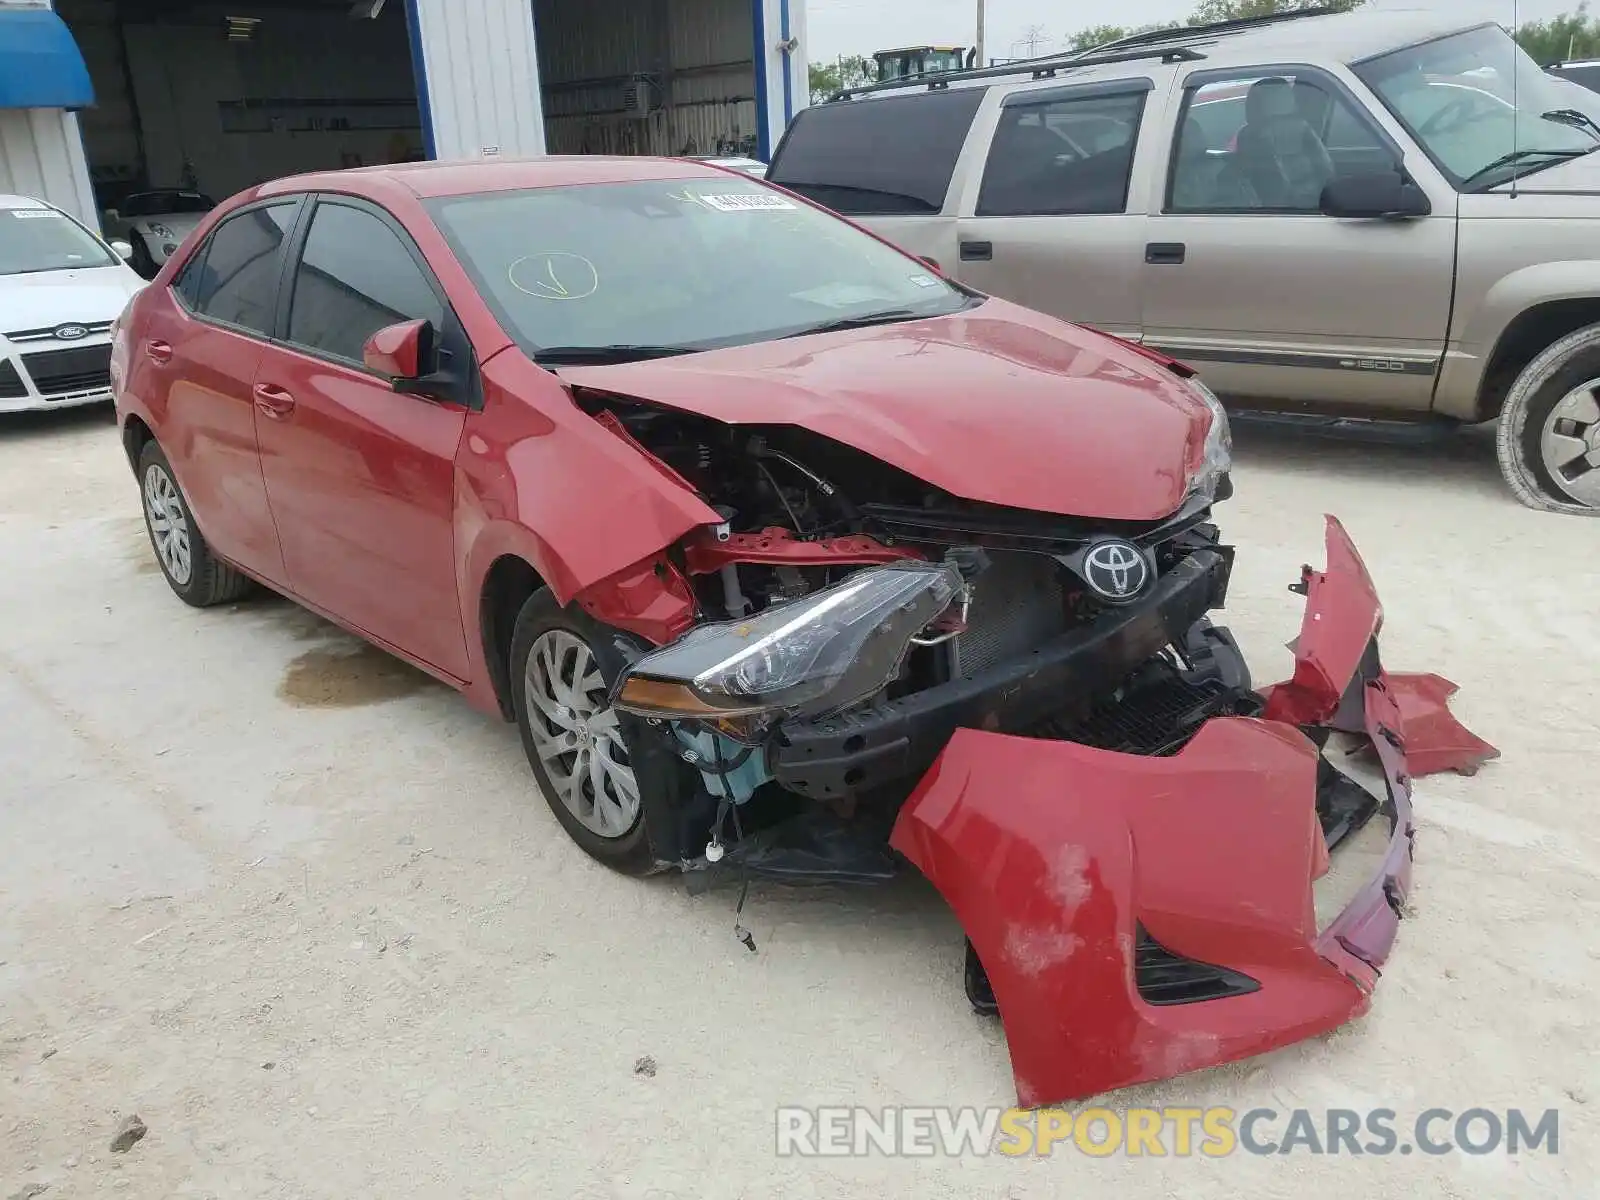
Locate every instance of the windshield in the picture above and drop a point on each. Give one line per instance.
(688, 263)
(41, 239)
(1475, 99)
(163, 204)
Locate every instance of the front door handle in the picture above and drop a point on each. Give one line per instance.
(273, 401)
(1166, 254)
(158, 352)
(977, 251)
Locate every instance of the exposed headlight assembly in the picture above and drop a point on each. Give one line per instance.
(161, 231)
(811, 657)
(1217, 457)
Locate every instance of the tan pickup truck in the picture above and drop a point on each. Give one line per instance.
(1380, 215)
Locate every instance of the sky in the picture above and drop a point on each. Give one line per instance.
(836, 27)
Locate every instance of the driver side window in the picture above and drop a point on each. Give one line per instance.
(1268, 143)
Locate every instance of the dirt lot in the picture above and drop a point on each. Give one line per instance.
(301, 909)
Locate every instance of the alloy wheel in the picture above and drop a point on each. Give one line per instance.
(1570, 444)
(577, 736)
(169, 526)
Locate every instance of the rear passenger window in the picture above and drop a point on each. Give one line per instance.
(355, 276)
(235, 275)
(1065, 155)
(877, 156)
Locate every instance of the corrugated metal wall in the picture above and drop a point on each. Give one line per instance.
(482, 76)
(695, 56)
(41, 154)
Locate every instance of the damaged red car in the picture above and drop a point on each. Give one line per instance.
(790, 557)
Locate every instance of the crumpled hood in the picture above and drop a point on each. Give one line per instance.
(74, 297)
(999, 405)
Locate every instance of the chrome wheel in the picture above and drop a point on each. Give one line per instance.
(169, 527)
(1570, 444)
(576, 734)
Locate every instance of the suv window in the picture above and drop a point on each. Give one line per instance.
(877, 156)
(1064, 155)
(1269, 143)
(354, 277)
(234, 276)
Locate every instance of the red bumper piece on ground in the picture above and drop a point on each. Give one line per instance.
(1054, 856)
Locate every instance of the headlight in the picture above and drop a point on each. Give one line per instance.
(1217, 458)
(814, 656)
(161, 231)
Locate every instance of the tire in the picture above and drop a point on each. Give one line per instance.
(612, 833)
(187, 564)
(1550, 382)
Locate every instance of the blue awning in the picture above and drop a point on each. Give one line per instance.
(40, 64)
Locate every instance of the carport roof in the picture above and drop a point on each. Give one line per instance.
(40, 63)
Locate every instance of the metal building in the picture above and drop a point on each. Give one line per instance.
(103, 98)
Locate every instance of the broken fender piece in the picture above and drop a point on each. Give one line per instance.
(1434, 740)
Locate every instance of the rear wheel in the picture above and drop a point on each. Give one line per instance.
(1549, 438)
(191, 570)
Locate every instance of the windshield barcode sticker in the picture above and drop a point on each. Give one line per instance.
(23, 214)
(746, 202)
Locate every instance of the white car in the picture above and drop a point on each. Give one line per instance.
(155, 223)
(61, 287)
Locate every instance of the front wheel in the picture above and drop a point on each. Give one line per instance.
(599, 769)
(1549, 439)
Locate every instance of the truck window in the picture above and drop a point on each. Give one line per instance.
(1067, 155)
(1269, 143)
(878, 156)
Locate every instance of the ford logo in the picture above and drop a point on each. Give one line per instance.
(70, 333)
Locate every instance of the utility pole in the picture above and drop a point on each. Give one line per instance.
(982, 62)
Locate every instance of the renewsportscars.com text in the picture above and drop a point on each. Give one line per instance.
(1162, 1132)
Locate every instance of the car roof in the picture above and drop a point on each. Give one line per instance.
(427, 180)
(1348, 38)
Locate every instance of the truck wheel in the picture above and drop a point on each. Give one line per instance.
(1549, 437)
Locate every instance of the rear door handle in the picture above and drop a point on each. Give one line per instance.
(158, 352)
(977, 251)
(1166, 254)
(273, 401)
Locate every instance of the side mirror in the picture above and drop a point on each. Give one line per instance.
(401, 353)
(1381, 195)
(122, 249)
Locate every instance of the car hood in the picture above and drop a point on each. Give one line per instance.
(90, 296)
(1575, 177)
(998, 405)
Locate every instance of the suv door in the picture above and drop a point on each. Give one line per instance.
(1248, 281)
(1049, 223)
(361, 477)
(195, 366)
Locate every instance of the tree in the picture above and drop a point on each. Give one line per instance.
(847, 71)
(1571, 35)
(1235, 10)
(1099, 35)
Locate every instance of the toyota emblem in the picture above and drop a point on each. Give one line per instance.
(70, 333)
(1116, 570)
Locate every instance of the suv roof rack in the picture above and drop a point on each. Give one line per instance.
(1039, 68)
(1166, 44)
(1183, 33)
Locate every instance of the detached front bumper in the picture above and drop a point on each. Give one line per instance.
(1140, 917)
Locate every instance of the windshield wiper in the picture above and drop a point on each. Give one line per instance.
(885, 317)
(1574, 118)
(1516, 156)
(574, 356)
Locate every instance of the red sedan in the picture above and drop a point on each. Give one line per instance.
(789, 556)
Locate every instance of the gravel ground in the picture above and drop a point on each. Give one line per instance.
(301, 909)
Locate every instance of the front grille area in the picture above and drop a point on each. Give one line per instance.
(1016, 607)
(11, 385)
(1163, 977)
(48, 333)
(79, 369)
(1154, 715)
